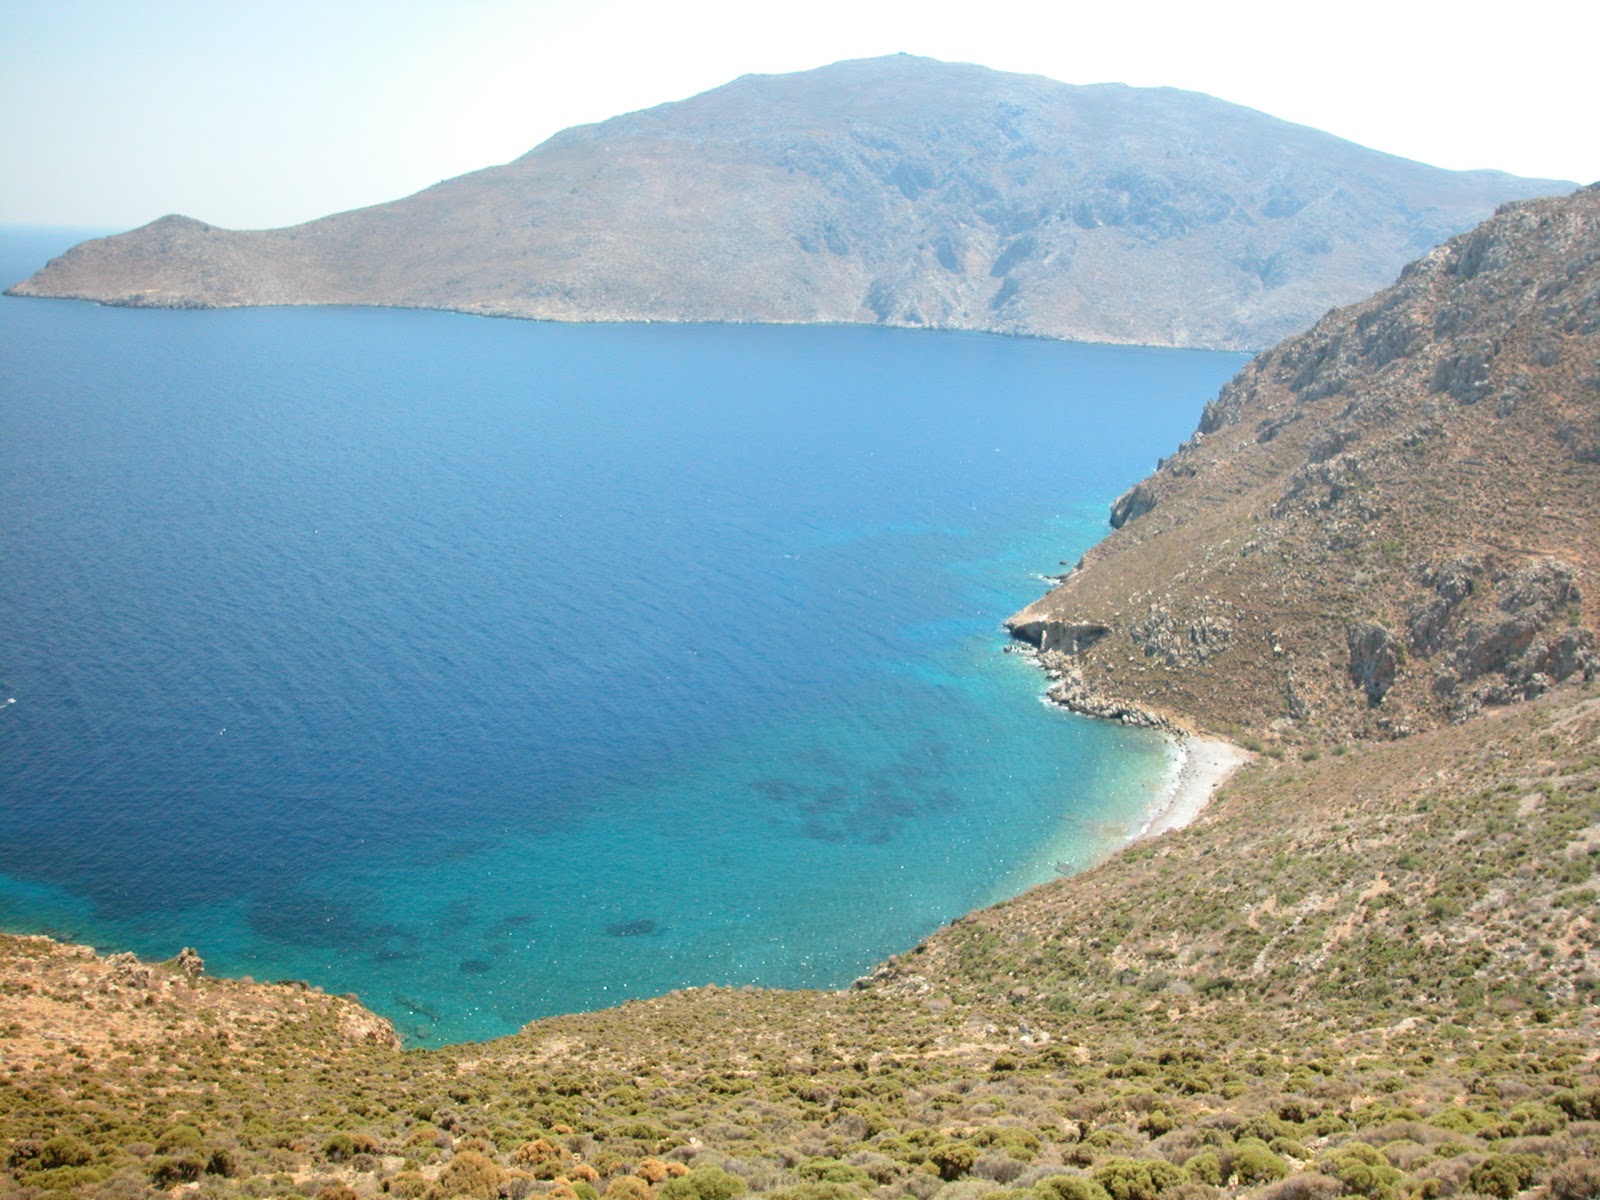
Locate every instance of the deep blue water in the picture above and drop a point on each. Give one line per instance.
(491, 669)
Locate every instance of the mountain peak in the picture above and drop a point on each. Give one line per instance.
(896, 190)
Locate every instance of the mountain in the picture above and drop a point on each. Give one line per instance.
(1369, 969)
(898, 190)
(1387, 522)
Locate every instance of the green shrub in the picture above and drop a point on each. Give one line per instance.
(953, 1159)
(1459, 1120)
(1362, 1170)
(703, 1183)
(1255, 1163)
(1069, 1187)
(180, 1138)
(1503, 1175)
(830, 1170)
(817, 1191)
(1264, 1127)
(1008, 1139)
(1207, 1167)
(64, 1151)
(1138, 1178)
(1289, 1148)
(1581, 1104)
(169, 1170)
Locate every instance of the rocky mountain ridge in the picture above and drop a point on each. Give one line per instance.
(1389, 521)
(900, 191)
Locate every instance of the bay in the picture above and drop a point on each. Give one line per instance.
(491, 669)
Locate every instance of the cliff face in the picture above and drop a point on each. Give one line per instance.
(1385, 523)
(901, 191)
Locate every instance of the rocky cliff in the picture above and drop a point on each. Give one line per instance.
(900, 190)
(1387, 522)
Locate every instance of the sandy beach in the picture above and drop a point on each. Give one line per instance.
(1200, 766)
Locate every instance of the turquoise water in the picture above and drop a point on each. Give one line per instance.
(490, 669)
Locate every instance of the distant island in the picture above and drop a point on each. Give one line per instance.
(900, 191)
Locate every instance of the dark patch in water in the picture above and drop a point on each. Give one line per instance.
(303, 920)
(865, 809)
(452, 852)
(474, 966)
(418, 1007)
(643, 927)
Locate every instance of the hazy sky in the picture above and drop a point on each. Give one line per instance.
(252, 114)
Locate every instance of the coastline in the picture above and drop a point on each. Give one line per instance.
(1200, 766)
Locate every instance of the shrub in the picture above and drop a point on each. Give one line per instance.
(830, 1170)
(541, 1159)
(407, 1185)
(1306, 1186)
(64, 1151)
(953, 1159)
(1008, 1139)
(1264, 1127)
(1069, 1187)
(1138, 1178)
(1254, 1163)
(998, 1168)
(1289, 1148)
(169, 1170)
(1576, 1179)
(1362, 1170)
(1581, 1104)
(628, 1187)
(1207, 1167)
(1503, 1175)
(180, 1138)
(816, 1191)
(703, 1183)
(651, 1170)
(473, 1175)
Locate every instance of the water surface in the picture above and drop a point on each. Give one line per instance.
(492, 669)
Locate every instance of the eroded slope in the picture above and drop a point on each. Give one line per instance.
(1389, 521)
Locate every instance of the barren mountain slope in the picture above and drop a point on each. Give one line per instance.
(1386, 522)
(897, 190)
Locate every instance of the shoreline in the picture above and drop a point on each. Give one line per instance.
(1200, 766)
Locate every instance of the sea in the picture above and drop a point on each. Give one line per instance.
(492, 669)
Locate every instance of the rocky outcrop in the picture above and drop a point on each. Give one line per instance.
(1133, 503)
(1374, 659)
(1387, 522)
(1066, 637)
(896, 191)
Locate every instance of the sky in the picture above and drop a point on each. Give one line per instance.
(251, 114)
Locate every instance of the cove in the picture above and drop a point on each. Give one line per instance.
(490, 669)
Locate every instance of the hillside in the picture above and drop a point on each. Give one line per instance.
(1387, 522)
(899, 190)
